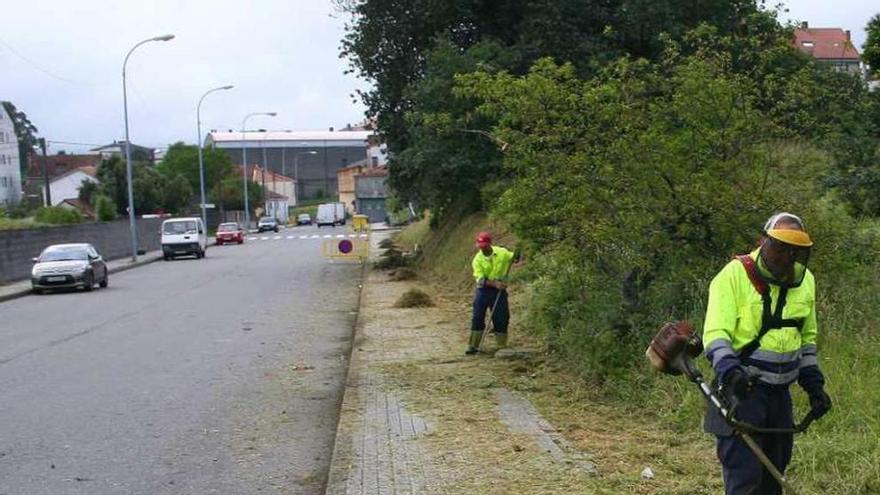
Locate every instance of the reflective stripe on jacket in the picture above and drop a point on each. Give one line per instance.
(492, 267)
(733, 319)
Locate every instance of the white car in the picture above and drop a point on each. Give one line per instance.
(184, 236)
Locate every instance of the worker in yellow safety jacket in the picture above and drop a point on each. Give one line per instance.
(760, 336)
(491, 265)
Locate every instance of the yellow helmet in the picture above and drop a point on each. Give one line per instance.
(793, 237)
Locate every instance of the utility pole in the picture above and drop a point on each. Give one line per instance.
(46, 172)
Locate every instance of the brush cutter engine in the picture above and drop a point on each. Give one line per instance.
(673, 345)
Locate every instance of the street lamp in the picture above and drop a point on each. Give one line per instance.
(128, 172)
(201, 162)
(296, 172)
(247, 214)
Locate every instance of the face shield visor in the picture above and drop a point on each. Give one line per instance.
(784, 256)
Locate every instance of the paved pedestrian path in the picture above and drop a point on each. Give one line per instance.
(383, 446)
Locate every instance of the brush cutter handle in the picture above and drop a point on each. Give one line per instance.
(728, 413)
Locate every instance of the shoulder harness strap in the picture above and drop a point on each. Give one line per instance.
(769, 319)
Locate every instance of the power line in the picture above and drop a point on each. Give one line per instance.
(44, 70)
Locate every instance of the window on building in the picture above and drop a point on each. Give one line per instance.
(375, 160)
(3, 182)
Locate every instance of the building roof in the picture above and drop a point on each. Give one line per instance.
(270, 194)
(60, 164)
(826, 43)
(375, 172)
(87, 169)
(85, 208)
(257, 174)
(275, 136)
(121, 146)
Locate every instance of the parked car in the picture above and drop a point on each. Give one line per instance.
(184, 236)
(304, 219)
(267, 223)
(229, 232)
(69, 266)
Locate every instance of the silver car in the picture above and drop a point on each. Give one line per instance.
(68, 266)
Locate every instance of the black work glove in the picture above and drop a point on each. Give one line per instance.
(737, 383)
(820, 402)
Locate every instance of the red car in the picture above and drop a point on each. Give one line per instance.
(229, 232)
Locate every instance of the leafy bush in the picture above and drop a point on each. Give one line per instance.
(105, 209)
(57, 215)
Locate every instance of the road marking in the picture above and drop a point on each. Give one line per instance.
(315, 237)
(252, 238)
(277, 237)
(327, 236)
(264, 238)
(291, 237)
(303, 237)
(363, 236)
(340, 236)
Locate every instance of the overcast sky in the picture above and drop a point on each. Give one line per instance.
(61, 62)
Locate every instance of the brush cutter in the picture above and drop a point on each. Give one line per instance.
(672, 352)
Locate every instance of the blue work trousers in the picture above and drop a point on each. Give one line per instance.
(768, 407)
(484, 299)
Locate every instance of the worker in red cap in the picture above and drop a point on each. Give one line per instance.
(491, 265)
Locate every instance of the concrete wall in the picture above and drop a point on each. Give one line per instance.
(111, 239)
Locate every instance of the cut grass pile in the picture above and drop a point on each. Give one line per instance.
(414, 298)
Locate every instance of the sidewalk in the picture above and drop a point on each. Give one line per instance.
(22, 288)
(419, 417)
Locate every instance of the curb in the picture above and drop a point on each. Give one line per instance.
(144, 261)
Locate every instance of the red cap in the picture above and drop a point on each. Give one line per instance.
(483, 240)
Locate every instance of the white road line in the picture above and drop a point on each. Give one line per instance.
(303, 237)
(327, 236)
(363, 236)
(277, 237)
(264, 238)
(340, 236)
(291, 237)
(315, 237)
(252, 238)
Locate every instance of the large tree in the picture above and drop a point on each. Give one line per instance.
(871, 48)
(183, 159)
(153, 190)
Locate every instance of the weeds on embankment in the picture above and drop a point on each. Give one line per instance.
(634, 418)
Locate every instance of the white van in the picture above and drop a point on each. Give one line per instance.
(184, 236)
(330, 214)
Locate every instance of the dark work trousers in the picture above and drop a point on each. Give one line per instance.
(768, 407)
(484, 298)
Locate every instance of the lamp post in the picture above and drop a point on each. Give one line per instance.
(247, 214)
(128, 171)
(296, 172)
(201, 162)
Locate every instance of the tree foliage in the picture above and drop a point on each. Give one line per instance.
(153, 190)
(871, 48)
(410, 49)
(183, 159)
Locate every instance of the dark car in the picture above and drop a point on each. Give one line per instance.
(267, 223)
(69, 266)
(229, 232)
(304, 219)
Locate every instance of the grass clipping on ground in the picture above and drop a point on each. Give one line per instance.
(414, 298)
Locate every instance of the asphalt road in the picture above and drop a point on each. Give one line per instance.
(221, 375)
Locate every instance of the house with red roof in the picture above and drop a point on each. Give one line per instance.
(833, 46)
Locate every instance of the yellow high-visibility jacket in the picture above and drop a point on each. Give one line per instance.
(492, 267)
(733, 319)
